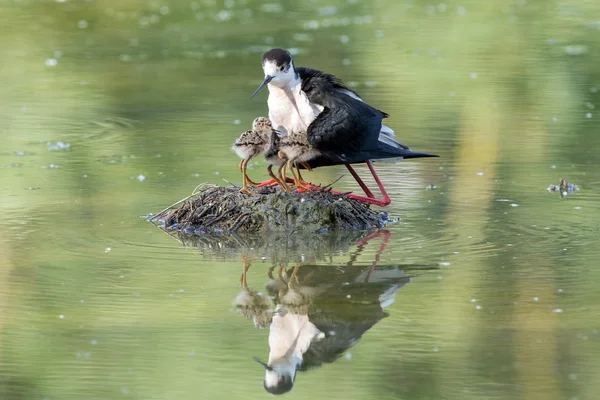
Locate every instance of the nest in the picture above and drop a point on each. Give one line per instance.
(218, 209)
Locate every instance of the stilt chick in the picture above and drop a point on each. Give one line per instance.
(250, 144)
(296, 150)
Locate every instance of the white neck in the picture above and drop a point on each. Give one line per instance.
(290, 111)
(290, 335)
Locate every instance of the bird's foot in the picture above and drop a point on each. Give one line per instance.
(303, 186)
(369, 200)
(245, 189)
(286, 188)
(269, 183)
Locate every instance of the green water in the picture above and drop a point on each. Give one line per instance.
(488, 283)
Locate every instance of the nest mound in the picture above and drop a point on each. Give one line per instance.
(217, 209)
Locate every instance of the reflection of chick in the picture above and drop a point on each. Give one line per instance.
(255, 305)
(251, 304)
(277, 282)
(291, 294)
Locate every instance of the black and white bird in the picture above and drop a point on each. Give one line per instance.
(339, 126)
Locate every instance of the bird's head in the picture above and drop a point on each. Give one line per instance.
(278, 68)
(262, 124)
(279, 378)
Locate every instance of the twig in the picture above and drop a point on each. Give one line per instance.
(194, 192)
(230, 183)
(171, 206)
(200, 185)
(332, 183)
(220, 217)
(240, 221)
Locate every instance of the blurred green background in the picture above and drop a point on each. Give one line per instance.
(111, 110)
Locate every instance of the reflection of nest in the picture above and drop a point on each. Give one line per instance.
(255, 306)
(276, 246)
(215, 209)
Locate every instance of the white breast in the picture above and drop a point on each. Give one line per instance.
(290, 111)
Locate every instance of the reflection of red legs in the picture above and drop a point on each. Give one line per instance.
(386, 236)
(382, 233)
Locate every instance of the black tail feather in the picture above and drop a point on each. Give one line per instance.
(382, 153)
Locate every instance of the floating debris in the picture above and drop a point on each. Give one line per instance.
(563, 188)
(216, 209)
(58, 146)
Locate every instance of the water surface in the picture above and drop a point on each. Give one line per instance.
(484, 289)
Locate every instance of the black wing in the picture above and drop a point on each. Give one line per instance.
(312, 78)
(345, 126)
(315, 83)
(347, 130)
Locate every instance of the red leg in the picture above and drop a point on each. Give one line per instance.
(272, 182)
(370, 198)
(360, 181)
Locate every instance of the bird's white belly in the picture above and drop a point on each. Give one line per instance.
(290, 111)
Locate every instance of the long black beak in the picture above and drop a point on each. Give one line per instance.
(268, 79)
(265, 366)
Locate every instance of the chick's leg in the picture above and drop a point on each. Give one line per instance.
(244, 188)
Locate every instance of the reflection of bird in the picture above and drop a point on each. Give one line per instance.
(290, 335)
(250, 144)
(338, 125)
(323, 310)
(253, 304)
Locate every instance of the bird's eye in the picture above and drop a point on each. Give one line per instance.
(281, 68)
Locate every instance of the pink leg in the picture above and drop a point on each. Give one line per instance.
(360, 181)
(370, 198)
(272, 182)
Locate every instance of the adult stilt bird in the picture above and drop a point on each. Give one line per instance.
(339, 126)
